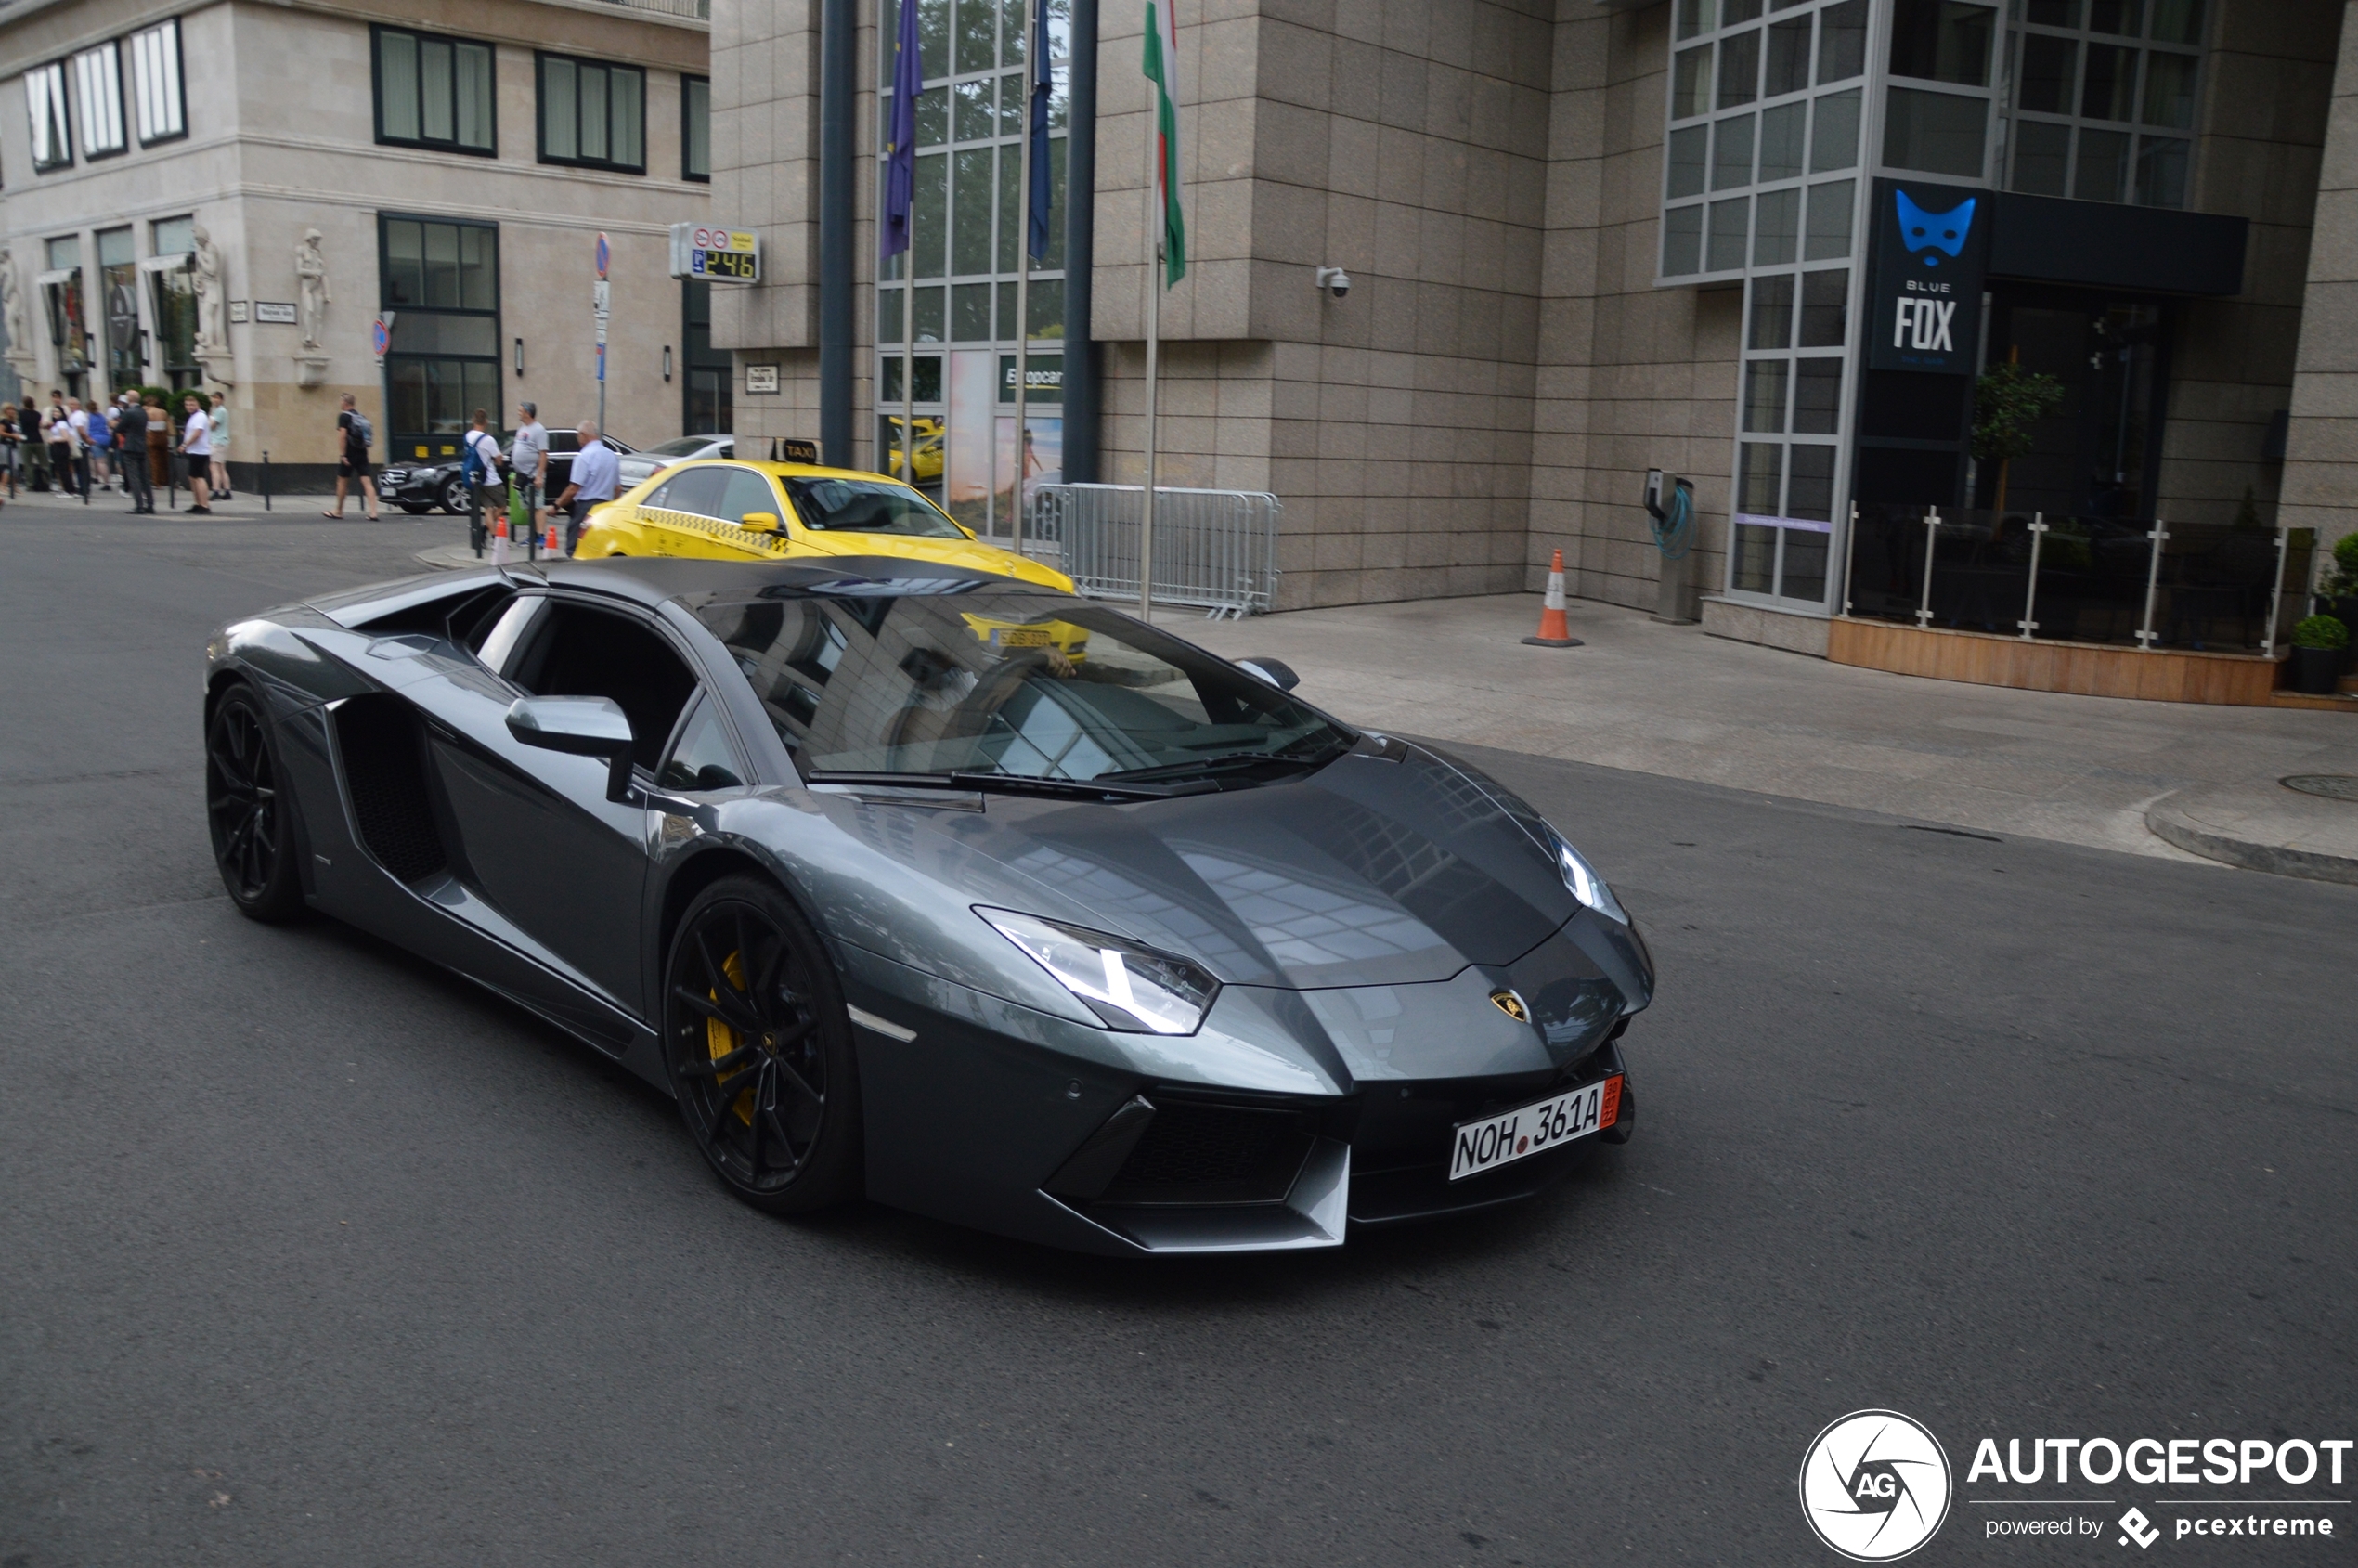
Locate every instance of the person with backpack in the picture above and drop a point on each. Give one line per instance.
(481, 467)
(99, 431)
(354, 437)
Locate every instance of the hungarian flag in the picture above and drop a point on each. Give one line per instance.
(1162, 70)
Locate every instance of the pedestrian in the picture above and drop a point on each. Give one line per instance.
(99, 431)
(57, 432)
(353, 440)
(482, 469)
(79, 418)
(33, 451)
(159, 445)
(218, 422)
(11, 457)
(196, 445)
(131, 440)
(595, 470)
(528, 462)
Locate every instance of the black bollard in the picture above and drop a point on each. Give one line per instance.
(265, 479)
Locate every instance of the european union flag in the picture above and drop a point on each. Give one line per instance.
(901, 136)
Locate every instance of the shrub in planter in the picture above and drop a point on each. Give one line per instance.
(2317, 644)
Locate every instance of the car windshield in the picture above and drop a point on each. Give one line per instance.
(680, 447)
(1026, 686)
(869, 506)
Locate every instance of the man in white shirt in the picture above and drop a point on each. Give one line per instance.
(78, 419)
(195, 445)
(595, 470)
(528, 461)
(484, 447)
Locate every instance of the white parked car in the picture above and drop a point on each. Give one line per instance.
(649, 461)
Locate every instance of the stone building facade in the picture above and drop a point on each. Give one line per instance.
(1565, 223)
(449, 158)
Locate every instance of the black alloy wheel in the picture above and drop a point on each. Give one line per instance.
(758, 1047)
(457, 499)
(251, 818)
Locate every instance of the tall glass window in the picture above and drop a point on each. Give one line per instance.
(592, 115)
(44, 96)
(175, 301)
(119, 304)
(2104, 99)
(707, 378)
(441, 281)
(157, 111)
(695, 129)
(434, 91)
(97, 79)
(968, 225)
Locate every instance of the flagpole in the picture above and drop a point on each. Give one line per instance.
(1031, 40)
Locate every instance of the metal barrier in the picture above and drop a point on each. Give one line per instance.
(1214, 550)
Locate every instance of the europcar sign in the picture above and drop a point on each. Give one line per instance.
(1924, 309)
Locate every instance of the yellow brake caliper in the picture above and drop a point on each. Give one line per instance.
(719, 1039)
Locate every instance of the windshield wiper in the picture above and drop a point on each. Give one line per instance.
(1009, 783)
(1226, 762)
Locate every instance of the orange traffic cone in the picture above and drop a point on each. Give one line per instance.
(1554, 631)
(552, 546)
(500, 542)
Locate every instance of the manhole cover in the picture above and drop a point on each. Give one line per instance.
(2333, 787)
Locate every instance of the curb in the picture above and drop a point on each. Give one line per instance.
(2174, 827)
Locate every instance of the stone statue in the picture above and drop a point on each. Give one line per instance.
(12, 305)
(311, 283)
(213, 299)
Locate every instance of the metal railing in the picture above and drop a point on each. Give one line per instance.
(1214, 550)
(2142, 582)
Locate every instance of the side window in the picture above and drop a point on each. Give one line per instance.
(704, 758)
(748, 491)
(577, 651)
(696, 490)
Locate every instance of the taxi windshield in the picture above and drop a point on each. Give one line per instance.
(1020, 686)
(868, 506)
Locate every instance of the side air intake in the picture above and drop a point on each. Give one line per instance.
(382, 748)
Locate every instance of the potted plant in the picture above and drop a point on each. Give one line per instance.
(2341, 587)
(2007, 402)
(2317, 644)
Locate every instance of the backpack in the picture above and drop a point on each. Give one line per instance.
(362, 431)
(476, 469)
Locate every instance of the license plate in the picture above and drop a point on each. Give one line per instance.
(1533, 1129)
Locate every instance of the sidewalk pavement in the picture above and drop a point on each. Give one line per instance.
(2148, 778)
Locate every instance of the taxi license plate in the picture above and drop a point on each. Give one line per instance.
(1476, 1147)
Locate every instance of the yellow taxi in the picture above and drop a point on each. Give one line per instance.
(930, 448)
(717, 508)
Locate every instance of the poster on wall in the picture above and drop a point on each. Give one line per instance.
(1924, 313)
(966, 492)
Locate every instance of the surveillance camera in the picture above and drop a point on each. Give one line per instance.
(1335, 280)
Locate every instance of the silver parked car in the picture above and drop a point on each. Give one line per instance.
(639, 466)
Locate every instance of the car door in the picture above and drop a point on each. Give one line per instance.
(677, 513)
(537, 834)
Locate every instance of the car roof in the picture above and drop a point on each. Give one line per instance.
(654, 579)
(789, 469)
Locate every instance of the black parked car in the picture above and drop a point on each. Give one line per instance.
(420, 486)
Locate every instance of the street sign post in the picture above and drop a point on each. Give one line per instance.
(599, 298)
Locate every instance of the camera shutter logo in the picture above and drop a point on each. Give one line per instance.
(1875, 1485)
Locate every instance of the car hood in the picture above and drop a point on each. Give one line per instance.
(972, 555)
(1367, 872)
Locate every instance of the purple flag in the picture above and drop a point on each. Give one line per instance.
(1043, 77)
(901, 140)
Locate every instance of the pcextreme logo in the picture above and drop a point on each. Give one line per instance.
(1875, 1485)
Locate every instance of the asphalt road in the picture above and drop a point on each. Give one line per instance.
(311, 1255)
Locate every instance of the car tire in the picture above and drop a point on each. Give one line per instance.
(760, 1050)
(417, 508)
(250, 810)
(457, 499)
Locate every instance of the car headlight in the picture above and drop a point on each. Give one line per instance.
(1585, 885)
(1132, 988)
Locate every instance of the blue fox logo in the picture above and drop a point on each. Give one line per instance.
(1920, 230)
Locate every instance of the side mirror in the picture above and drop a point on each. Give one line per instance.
(578, 726)
(1276, 671)
(759, 522)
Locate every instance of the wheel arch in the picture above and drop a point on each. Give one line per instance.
(701, 871)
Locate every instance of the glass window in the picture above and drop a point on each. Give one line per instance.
(1939, 133)
(1825, 308)
(1776, 227)
(1691, 82)
(1696, 17)
(2161, 170)
(1782, 130)
(970, 217)
(972, 114)
(1761, 473)
(1732, 152)
(2107, 81)
(44, 93)
(1810, 492)
(1942, 41)
(2103, 164)
(1834, 143)
(2178, 21)
(2048, 73)
(977, 35)
(593, 115)
(1764, 396)
(2054, 13)
(1788, 57)
(174, 301)
(1688, 146)
(157, 113)
(1817, 396)
(696, 491)
(745, 492)
(1842, 40)
(1752, 564)
(2123, 17)
(695, 129)
(1771, 311)
(97, 79)
(1734, 13)
(442, 280)
(704, 758)
(1829, 227)
(2042, 152)
(868, 506)
(434, 91)
(2169, 89)
(1740, 69)
(1724, 242)
(1681, 242)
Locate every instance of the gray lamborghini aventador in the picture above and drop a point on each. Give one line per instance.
(981, 900)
